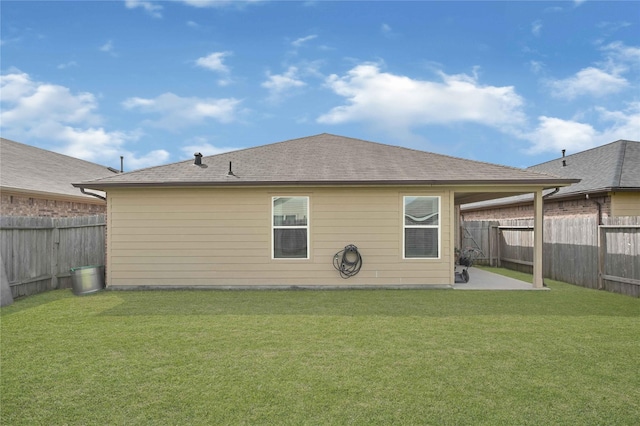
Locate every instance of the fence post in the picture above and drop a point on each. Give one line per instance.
(602, 240)
(538, 242)
(499, 247)
(55, 245)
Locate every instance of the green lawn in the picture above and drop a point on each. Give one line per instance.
(569, 356)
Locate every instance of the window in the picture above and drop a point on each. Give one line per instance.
(421, 227)
(290, 227)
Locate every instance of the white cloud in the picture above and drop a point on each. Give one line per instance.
(152, 158)
(15, 86)
(612, 27)
(617, 50)
(33, 110)
(35, 102)
(213, 62)
(536, 27)
(398, 103)
(206, 3)
(588, 82)
(554, 134)
(302, 40)
(219, 3)
(176, 111)
(67, 65)
(387, 31)
(149, 7)
(281, 84)
(625, 124)
(108, 48)
(604, 78)
(99, 145)
(536, 66)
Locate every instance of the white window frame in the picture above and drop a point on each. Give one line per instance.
(274, 227)
(405, 227)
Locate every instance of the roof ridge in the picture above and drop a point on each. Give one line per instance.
(617, 178)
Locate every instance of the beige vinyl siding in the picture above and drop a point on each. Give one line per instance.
(625, 204)
(223, 237)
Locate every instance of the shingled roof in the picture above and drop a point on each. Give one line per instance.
(25, 168)
(326, 159)
(607, 168)
(611, 167)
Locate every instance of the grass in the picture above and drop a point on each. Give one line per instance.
(564, 357)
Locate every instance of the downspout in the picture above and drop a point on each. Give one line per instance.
(92, 194)
(599, 207)
(555, 191)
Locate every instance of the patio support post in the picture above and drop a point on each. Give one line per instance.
(455, 236)
(538, 242)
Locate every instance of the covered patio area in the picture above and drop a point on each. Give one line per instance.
(480, 194)
(480, 279)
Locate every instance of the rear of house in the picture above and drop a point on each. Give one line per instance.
(276, 215)
(277, 236)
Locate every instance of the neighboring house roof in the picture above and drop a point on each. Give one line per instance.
(611, 167)
(25, 168)
(607, 168)
(326, 159)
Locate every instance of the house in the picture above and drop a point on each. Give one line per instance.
(609, 187)
(281, 215)
(37, 182)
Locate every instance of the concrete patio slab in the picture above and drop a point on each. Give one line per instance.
(484, 280)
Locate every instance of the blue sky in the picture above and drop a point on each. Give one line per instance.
(155, 81)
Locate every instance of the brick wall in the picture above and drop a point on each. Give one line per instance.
(576, 207)
(20, 205)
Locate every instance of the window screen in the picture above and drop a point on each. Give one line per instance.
(290, 227)
(421, 227)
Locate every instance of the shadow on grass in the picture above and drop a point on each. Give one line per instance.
(30, 302)
(563, 300)
(393, 303)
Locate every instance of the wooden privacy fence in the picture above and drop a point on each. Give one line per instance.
(576, 250)
(619, 258)
(39, 252)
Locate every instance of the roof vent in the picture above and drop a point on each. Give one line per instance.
(198, 160)
(564, 151)
(564, 163)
